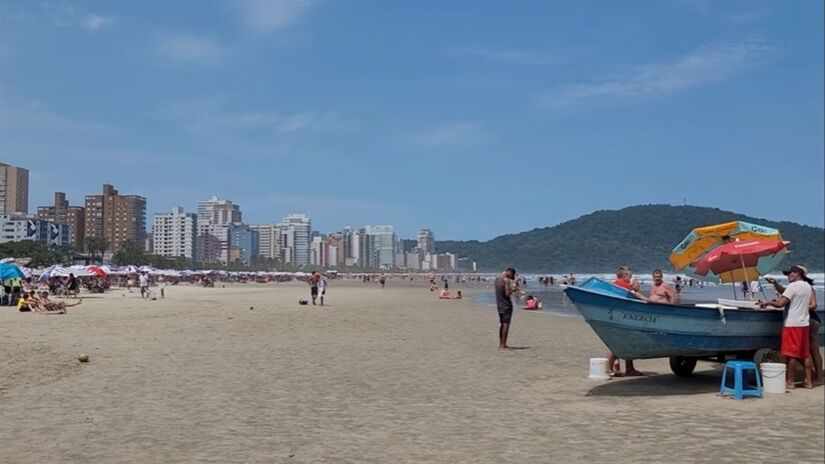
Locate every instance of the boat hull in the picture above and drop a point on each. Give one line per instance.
(634, 329)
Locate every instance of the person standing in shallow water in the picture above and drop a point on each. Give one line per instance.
(505, 286)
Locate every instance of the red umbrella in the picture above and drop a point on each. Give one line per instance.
(97, 270)
(743, 260)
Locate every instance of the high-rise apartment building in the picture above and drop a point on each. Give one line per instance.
(18, 227)
(72, 216)
(383, 243)
(218, 211)
(296, 234)
(14, 189)
(426, 241)
(243, 243)
(173, 234)
(115, 217)
(215, 216)
(268, 240)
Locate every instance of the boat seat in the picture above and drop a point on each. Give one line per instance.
(739, 389)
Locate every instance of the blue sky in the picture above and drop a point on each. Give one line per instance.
(475, 118)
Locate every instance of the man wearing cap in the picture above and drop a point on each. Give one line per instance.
(795, 333)
(813, 326)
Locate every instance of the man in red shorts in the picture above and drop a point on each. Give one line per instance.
(795, 336)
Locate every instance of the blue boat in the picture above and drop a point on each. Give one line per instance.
(636, 329)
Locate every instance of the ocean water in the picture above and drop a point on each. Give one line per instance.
(554, 302)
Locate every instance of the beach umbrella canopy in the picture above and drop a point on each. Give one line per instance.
(743, 260)
(98, 271)
(10, 271)
(702, 240)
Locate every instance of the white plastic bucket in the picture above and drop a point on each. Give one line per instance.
(773, 377)
(598, 369)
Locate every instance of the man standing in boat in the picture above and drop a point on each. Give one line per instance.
(505, 286)
(795, 333)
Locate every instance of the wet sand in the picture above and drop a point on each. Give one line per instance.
(377, 376)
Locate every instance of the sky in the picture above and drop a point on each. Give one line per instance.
(474, 118)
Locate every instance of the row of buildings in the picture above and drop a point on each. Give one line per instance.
(108, 215)
(215, 232)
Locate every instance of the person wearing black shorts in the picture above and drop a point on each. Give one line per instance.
(505, 286)
(313, 285)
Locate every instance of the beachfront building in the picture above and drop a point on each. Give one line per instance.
(296, 235)
(19, 227)
(317, 252)
(14, 189)
(443, 262)
(426, 241)
(217, 210)
(351, 241)
(173, 234)
(382, 245)
(215, 216)
(73, 216)
(243, 243)
(268, 240)
(115, 217)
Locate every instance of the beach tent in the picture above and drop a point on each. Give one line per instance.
(60, 271)
(10, 271)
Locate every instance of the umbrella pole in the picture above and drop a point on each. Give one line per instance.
(742, 260)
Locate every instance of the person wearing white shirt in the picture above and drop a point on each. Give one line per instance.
(795, 333)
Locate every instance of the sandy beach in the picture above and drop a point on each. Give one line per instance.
(245, 374)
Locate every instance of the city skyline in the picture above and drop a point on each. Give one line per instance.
(346, 112)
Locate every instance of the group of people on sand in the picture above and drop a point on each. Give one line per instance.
(317, 287)
(799, 333)
(32, 302)
(660, 292)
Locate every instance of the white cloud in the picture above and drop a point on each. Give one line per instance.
(751, 13)
(710, 63)
(324, 121)
(60, 13)
(457, 134)
(213, 117)
(93, 22)
(190, 48)
(265, 16)
(511, 55)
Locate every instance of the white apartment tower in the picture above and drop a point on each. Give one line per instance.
(426, 241)
(215, 218)
(382, 243)
(173, 234)
(296, 235)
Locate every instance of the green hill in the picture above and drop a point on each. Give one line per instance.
(638, 236)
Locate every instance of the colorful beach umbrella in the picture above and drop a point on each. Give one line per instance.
(10, 271)
(739, 261)
(97, 270)
(702, 240)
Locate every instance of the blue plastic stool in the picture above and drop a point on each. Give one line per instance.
(739, 391)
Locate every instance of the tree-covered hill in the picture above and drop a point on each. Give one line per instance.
(638, 236)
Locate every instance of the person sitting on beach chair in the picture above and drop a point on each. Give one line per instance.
(58, 307)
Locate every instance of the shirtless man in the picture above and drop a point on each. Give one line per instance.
(313, 280)
(505, 286)
(660, 291)
(46, 304)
